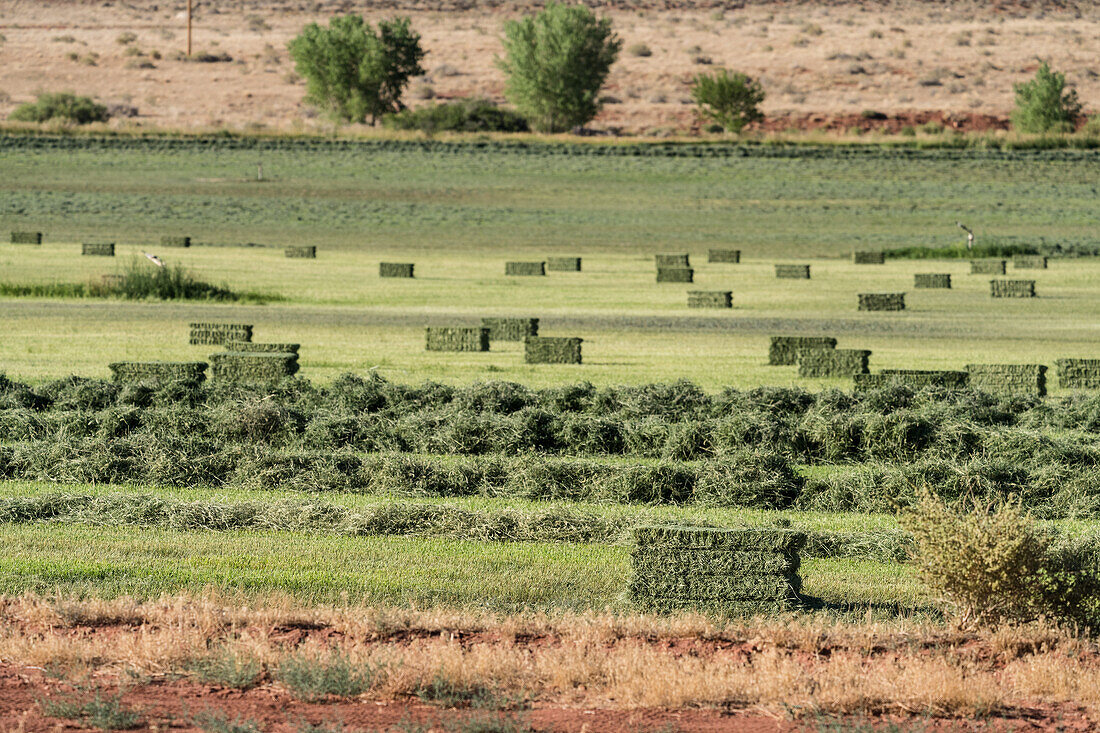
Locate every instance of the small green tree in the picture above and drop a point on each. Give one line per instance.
(731, 99)
(1044, 105)
(354, 72)
(556, 62)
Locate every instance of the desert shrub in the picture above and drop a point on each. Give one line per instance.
(353, 71)
(314, 676)
(462, 115)
(63, 106)
(1044, 105)
(639, 49)
(105, 712)
(228, 668)
(556, 62)
(731, 99)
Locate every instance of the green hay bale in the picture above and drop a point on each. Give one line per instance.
(916, 378)
(724, 256)
(217, 334)
(248, 347)
(792, 272)
(672, 261)
(395, 269)
(1012, 288)
(98, 249)
(563, 264)
(236, 366)
(158, 371)
(1029, 262)
(552, 350)
(524, 269)
(725, 608)
(710, 299)
(1013, 379)
(868, 258)
(304, 252)
(170, 241)
(661, 560)
(784, 349)
(716, 587)
(26, 237)
(1078, 373)
(987, 267)
(882, 301)
(777, 540)
(457, 339)
(932, 280)
(833, 362)
(510, 329)
(675, 275)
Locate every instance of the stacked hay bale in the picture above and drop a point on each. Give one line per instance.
(882, 301)
(457, 339)
(241, 366)
(1078, 373)
(524, 269)
(784, 350)
(833, 362)
(552, 350)
(98, 249)
(932, 280)
(792, 272)
(171, 241)
(733, 572)
(727, 256)
(868, 258)
(248, 347)
(305, 252)
(672, 260)
(916, 378)
(987, 267)
(26, 237)
(563, 264)
(1012, 288)
(1029, 262)
(510, 329)
(710, 299)
(395, 269)
(158, 371)
(675, 275)
(218, 334)
(1024, 379)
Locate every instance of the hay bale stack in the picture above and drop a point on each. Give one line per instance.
(395, 269)
(26, 237)
(710, 299)
(1029, 262)
(932, 280)
(784, 350)
(1023, 379)
(563, 264)
(170, 241)
(868, 258)
(98, 249)
(675, 275)
(730, 256)
(987, 267)
(672, 260)
(733, 572)
(916, 378)
(1078, 373)
(552, 350)
(1012, 288)
(158, 371)
(239, 366)
(524, 269)
(248, 347)
(833, 362)
(792, 272)
(510, 329)
(457, 339)
(882, 301)
(304, 252)
(218, 334)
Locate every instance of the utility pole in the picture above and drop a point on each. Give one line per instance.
(189, 28)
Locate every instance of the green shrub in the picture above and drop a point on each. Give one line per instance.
(461, 115)
(556, 62)
(213, 721)
(60, 106)
(142, 280)
(1044, 105)
(311, 677)
(227, 668)
(731, 99)
(104, 713)
(353, 71)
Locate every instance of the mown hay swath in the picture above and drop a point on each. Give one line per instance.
(175, 241)
(304, 252)
(733, 572)
(1022, 379)
(1078, 373)
(1012, 288)
(98, 249)
(882, 301)
(249, 347)
(524, 269)
(728, 256)
(217, 334)
(563, 264)
(510, 329)
(675, 275)
(987, 267)
(26, 237)
(784, 350)
(932, 280)
(552, 350)
(442, 338)
(395, 269)
(868, 258)
(238, 366)
(710, 299)
(792, 272)
(833, 362)
(672, 260)
(916, 378)
(1029, 262)
(158, 371)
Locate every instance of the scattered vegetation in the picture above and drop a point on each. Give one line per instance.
(312, 677)
(228, 668)
(97, 711)
(215, 721)
(140, 281)
(61, 106)
(462, 115)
